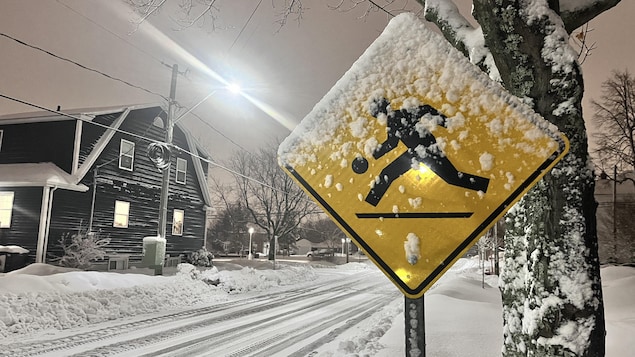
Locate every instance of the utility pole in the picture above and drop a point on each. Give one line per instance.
(169, 130)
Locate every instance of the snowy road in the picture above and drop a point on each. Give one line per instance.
(292, 322)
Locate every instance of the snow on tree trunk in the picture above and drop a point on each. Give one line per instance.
(552, 297)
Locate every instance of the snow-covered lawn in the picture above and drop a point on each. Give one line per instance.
(463, 318)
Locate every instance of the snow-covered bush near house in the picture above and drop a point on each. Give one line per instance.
(82, 248)
(201, 258)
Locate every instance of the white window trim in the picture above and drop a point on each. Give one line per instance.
(122, 154)
(174, 214)
(126, 214)
(177, 171)
(9, 208)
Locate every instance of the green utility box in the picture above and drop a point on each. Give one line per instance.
(154, 253)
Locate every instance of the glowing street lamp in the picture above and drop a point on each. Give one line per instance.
(251, 232)
(160, 153)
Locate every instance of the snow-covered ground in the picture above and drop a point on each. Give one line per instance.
(463, 318)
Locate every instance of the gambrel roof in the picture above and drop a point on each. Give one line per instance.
(110, 119)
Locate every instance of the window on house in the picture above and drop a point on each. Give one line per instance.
(126, 155)
(122, 212)
(6, 207)
(177, 222)
(1, 132)
(158, 122)
(181, 170)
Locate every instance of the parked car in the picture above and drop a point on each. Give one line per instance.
(325, 252)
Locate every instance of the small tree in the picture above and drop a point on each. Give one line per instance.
(82, 248)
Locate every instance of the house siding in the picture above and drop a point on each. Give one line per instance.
(25, 220)
(141, 187)
(39, 142)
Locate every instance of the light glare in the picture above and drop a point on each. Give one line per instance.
(234, 88)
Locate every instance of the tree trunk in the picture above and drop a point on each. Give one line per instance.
(552, 297)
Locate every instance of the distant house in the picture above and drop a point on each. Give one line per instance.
(89, 169)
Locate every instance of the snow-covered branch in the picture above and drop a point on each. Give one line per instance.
(452, 24)
(460, 33)
(576, 13)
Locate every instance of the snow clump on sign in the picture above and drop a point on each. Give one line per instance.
(411, 246)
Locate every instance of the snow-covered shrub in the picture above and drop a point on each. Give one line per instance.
(82, 248)
(201, 258)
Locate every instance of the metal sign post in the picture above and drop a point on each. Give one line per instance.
(415, 327)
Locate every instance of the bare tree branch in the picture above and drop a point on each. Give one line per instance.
(615, 120)
(146, 8)
(580, 40)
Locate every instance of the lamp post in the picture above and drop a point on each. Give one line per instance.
(251, 232)
(343, 241)
(345, 247)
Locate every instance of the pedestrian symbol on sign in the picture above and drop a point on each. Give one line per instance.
(405, 125)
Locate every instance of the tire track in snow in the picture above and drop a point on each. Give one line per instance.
(64, 346)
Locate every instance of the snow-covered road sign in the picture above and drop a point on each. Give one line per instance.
(415, 153)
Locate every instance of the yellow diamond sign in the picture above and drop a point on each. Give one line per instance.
(415, 153)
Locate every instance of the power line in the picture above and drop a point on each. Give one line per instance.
(245, 25)
(381, 8)
(80, 65)
(209, 125)
(110, 32)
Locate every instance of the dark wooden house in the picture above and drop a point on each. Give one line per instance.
(89, 169)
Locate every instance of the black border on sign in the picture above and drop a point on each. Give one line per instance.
(533, 178)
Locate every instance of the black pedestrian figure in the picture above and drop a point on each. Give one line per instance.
(401, 126)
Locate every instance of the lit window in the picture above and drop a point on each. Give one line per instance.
(177, 222)
(122, 211)
(6, 207)
(126, 155)
(181, 170)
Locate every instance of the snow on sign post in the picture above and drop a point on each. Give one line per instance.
(415, 153)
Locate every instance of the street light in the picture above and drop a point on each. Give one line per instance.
(343, 241)
(251, 232)
(160, 153)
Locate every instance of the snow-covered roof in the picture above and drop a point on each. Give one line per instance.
(78, 113)
(37, 174)
(13, 249)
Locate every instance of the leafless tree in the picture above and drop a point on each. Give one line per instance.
(275, 203)
(615, 121)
